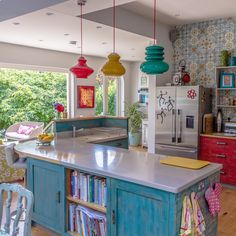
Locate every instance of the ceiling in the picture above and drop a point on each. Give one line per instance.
(56, 27)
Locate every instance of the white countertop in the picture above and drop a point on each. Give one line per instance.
(137, 167)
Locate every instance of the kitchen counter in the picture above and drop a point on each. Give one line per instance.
(136, 167)
(218, 135)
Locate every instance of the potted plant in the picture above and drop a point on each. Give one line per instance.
(135, 123)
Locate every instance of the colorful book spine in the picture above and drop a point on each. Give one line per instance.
(88, 188)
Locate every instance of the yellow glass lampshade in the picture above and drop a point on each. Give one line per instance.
(113, 67)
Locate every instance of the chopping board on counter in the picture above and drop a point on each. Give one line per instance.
(184, 162)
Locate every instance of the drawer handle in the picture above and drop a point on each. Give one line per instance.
(223, 173)
(221, 143)
(58, 197)
(220, 155)
(113, 217)
(119, 144)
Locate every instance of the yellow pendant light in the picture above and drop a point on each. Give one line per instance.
(113, 66)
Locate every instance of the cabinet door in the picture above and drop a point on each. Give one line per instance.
(137, 210)
(46, 181)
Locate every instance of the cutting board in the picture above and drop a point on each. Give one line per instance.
(184, 162)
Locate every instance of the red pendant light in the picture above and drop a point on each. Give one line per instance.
(81, 70)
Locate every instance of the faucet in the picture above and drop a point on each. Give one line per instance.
(75, 130)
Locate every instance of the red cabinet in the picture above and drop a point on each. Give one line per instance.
(220, 150)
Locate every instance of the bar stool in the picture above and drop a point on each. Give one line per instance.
(13, 159)
(15, 162)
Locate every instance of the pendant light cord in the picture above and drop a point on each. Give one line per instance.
(114, 26)
(155, 13)
(81, 28)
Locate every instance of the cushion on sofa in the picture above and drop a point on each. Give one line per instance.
(16, 136)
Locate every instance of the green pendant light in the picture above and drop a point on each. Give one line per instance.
(154, 63)
(113, 66)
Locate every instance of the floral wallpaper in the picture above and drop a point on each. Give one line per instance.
(200, 44)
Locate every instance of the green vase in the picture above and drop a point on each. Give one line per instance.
(224, 58)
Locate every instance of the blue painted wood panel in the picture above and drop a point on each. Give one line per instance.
(67, 125)
(138, 210)
(47, 183)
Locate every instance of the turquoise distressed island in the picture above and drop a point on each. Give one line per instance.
(144, 197)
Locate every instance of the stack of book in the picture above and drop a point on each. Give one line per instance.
(88, 188)
(85, 221)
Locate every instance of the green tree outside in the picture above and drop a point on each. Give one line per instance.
(29, 95)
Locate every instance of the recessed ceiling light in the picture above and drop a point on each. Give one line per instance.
(66, 34)
(73, 42)
(104, 43)
(16, 23)
(99, 27)
(49, 13)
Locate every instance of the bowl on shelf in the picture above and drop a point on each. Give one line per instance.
(45, 139)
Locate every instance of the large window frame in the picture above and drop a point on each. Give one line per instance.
(119, 95)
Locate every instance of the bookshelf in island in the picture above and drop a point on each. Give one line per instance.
(85, 189)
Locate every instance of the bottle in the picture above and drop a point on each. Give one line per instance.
(219, 121)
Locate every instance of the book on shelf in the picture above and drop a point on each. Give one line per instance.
(85, 221)
(88, 188)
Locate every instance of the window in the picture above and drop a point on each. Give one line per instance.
(29, 95)
(108, 96)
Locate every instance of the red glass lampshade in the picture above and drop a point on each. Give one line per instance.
(81, 70)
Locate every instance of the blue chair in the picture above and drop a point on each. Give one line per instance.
(11, 227)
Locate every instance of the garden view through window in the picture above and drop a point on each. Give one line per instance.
(109, 97)
(27, 95)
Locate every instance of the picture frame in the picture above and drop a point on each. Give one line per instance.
(86, 96)
(227, 80)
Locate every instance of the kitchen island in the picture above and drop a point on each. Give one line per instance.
(144, 197)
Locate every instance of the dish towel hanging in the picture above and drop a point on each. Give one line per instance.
(212, 196)
(187, 218)
(198, 218)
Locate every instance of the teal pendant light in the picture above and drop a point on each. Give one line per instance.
(154, 63)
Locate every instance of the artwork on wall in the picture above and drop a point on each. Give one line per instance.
(86, 96)
(227, 80)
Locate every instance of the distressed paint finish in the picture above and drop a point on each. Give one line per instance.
(153, 212)
(138, 210)
(132, 209)
(22, 194)
(47, 182)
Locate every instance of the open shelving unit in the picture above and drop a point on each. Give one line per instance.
(224, 95)
(79, 202)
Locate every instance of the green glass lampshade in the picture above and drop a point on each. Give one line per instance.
(154, 63)
(113, 67)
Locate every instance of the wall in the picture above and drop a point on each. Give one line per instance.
(200, 45)
(23, 57)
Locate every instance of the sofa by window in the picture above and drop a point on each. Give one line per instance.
(12, 133)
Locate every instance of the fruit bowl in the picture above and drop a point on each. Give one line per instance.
(45, 139)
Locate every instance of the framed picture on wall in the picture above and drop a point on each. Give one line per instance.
(227, 80)
(86, 96)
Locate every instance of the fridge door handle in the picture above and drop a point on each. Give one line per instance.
(173, 126)
(179, 138)
(177, 148)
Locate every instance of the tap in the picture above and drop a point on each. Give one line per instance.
(75, 130)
